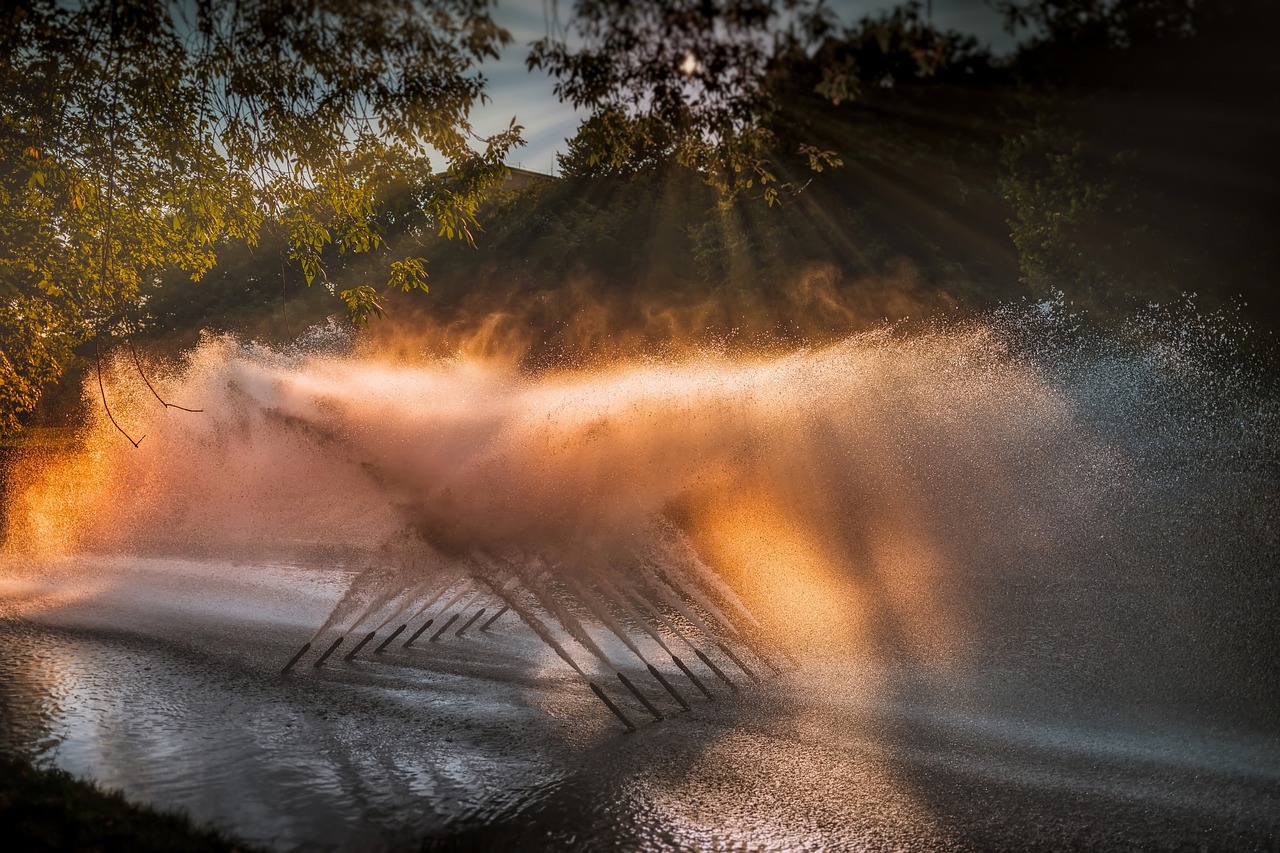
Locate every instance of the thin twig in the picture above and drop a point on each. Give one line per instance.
(97, 355)
(106, 246)
(133, 352)
(284, 299)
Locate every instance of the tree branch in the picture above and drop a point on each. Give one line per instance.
(283, 298)
(97, 356)
(136, 363)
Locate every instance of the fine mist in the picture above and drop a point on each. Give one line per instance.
(949, 496)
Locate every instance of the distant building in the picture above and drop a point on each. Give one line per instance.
(518, 179)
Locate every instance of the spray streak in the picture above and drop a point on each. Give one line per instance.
(535, 624)
(441, 586)
(635, 615)
(597, 607)
(817, 499)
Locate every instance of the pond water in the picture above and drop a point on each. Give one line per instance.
(163, 680)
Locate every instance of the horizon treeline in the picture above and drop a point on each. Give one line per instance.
(1123, 154)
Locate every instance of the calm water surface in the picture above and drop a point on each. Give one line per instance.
(160, 677)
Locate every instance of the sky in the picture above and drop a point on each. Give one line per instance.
(547, 123)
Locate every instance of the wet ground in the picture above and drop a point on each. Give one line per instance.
(161, 677)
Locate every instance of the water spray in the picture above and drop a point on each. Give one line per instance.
(454, 599)
(324, 657)
(306, 647)
(728, 652)
(662, 679)
(540, 629)
(396, 633)
(536, 625)
(418, 633)
(443, 628)
(608, 703)
(697, 682)
(360, 645)
(427, 605)
(701, 575)
(579, 633)
(626, 682)
(426, 584)
(691, 565)
(670, 592)
(585, 595)
(463, 609)
(494, 618)
(717, 670)
(717, 614)
(599, 468)
(667, 595)
(689, 674)
(573, 627)
(470, 622)
(621, 598)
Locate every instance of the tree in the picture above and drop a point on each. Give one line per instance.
(141, 135)
(1171, 45)
(688, 77)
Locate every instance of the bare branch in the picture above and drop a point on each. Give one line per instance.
(97, 355)
(284, 298)
(138, 364)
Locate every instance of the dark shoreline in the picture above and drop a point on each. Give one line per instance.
(49, 809)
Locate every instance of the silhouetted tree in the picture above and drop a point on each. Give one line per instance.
(139, 135)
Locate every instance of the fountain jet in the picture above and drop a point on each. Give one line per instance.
(418, 633)
(302, 651)
(598, 608)
(470, 622)
(668, 594)
(649, 706)
(360, 645)
(494, 618)
(324, 657)
(662, 679)
(689, 674)
(443, 628)
(717, 670)
(608, 703)
(633, 608)
(396, 633)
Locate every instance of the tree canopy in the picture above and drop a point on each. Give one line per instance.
(688, 80)
(144, 141)
(137, 135)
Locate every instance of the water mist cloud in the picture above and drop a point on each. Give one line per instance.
(831, 489)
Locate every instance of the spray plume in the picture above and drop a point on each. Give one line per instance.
(816, 498)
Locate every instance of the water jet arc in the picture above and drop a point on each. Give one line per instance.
(737, 660)
(396, 633)
(360, 645)
(711, 665)
(689, 674)
(662, 679)
(306, 647)
(644, 700)
(608, 703)
(494, 618)
(443, 628)
(324, 657)
(418, 633)
(469, 622)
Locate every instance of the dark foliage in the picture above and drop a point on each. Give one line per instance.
(51, 810)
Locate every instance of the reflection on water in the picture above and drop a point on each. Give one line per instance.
(186, 708)
(129, 698)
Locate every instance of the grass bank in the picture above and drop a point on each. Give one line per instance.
(52, 810)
